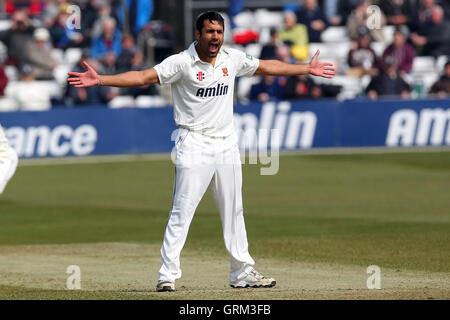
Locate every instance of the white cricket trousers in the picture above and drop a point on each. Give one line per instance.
(8, 165)
(203, 162)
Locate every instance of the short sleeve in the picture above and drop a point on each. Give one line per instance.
(170, 69)
(246, 64)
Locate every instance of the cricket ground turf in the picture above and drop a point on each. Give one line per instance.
(315, 227)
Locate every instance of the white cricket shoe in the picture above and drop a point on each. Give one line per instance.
(253, 279)
(164, 285)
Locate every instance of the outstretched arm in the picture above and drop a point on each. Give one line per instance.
(127, 79)
(279, 68)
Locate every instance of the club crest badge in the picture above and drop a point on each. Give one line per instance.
(225, 72)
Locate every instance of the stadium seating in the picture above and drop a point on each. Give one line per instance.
(245, 20)
(334, 48)
(264, 35)
(440, 62)
(8, 104)
(388, 33)
(335, 34)
(378, 47)
(127, 101)
(58, 55)
(423, 65)
(264, 18)
(34, 96)
(72, 55)
(5, 24)
(12, 73)
(351, 86)
(122, 102)
(326, 50)
(253, 49)
(60, 74)
(244, 86)
(428, 79)
(150, 102)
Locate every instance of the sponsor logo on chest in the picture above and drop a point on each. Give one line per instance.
(219, 90)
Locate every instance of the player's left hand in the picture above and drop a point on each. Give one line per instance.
(321, 69)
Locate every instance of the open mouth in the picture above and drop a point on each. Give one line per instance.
(213, 47)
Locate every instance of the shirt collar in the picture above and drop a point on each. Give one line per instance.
(192, 52)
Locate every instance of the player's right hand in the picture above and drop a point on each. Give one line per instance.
(86, 79)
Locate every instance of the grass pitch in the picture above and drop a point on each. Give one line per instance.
(315, 226)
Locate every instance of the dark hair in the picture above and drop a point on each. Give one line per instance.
(211, 16)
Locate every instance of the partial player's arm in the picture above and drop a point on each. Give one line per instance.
(124, 80)
(279, 68)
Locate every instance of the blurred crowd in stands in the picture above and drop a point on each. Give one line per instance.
(420, 33)
(40, 42)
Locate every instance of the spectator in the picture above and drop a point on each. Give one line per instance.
(126, 60)
(388, 83)
(421, 16)
(235, 7)
(337, 11)
(108, 62)
(402, 53)
(311, 15)
(27, 94)
(104, 12)
(284, 54)
(90, 16)
(131, 59)
(147, 90)
(109, 41)
(17, 38)
(139, 14)
(51, 11)
(269, 88)
(38, 55)
(33, 7)
(156, 41)
(92, 95)
(357, 20)
(269, 50)
(331, 11)
(441, 88)
(295, 35)
(62, 36)
(363, 60)
(302, 87)
(3, 76)
(397, 12)
(445, 4)
(433, 39)
(3, 80)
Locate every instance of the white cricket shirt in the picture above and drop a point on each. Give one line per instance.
(203, 93)
(3, 142)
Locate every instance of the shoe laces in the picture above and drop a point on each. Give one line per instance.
(256, 274)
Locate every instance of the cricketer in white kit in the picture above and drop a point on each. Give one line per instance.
(206, 150)
(8, 161)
